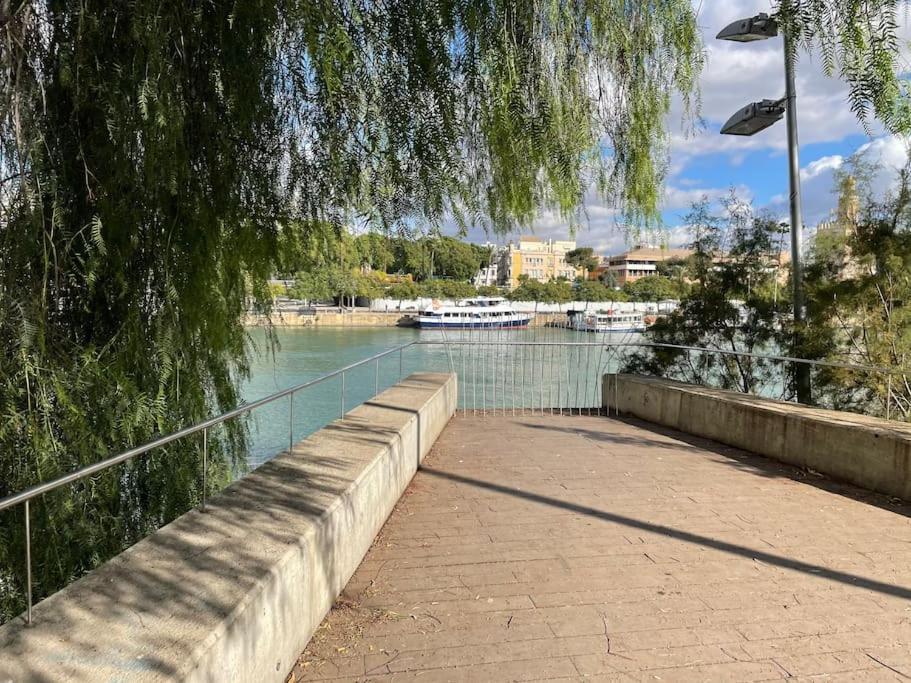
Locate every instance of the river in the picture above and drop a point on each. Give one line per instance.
(496, 373)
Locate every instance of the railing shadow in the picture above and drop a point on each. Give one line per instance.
(773, 559)
(734, 457)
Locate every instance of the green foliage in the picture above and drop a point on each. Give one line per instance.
(672, 267)
(583, 257)
(311, 286)
(374, 251)
(858, 287)
(553, 292)
(609, 279)
(654, 288)
(859, 43)
(489, 290)
(404, 291)
(368, 287)
(722, 310)
(589, 290)
(443, 257)
(447, 289)
(456, 259)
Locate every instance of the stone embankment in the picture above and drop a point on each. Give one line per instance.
(363, 318)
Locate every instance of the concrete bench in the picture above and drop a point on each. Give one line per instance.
(866, 451)
(234, 593)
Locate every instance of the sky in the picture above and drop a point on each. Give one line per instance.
(703, 162)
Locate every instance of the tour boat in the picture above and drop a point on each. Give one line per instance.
(606, 321)
(482, 312)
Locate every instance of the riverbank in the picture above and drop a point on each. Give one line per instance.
(331, 318)
(361, 318)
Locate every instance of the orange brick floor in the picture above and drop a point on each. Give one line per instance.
(590, 548)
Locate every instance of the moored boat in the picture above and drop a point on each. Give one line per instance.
(481, 312)
(606, 321)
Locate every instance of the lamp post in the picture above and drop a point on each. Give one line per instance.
(758, 116)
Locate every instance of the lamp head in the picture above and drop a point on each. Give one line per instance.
(754, 117)
(760, 27)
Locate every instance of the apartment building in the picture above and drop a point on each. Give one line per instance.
(539, 259)
(637, 263)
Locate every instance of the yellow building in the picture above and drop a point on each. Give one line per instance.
(539, 259)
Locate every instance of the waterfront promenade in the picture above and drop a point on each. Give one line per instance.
(591, 548)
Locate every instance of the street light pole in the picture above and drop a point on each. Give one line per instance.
(802, 371)
(756, 117)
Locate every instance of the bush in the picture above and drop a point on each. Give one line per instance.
(653, 288)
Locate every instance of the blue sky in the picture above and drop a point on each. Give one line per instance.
(707, 163)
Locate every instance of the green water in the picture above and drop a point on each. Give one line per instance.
(492, 373)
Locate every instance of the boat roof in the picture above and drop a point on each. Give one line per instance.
(482, 300)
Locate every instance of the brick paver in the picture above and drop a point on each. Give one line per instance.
(589, 548)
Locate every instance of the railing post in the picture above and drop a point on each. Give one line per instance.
(28, 562)
(617, 393)
(376, 377)
(889, 397)
(205, 465)
(343, 396)
(291, 421)
(401, 366)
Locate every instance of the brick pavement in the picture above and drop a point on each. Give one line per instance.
(589, 548)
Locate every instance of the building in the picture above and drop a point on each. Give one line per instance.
(536, 258)
(487, 275)
(637, 263)
(832, 242)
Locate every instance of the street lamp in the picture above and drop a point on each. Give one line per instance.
(758, 116)
(760, 27)
(754, 117)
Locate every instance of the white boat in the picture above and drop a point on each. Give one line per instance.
(606, 321)
(482, 312)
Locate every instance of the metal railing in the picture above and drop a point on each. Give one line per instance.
(24, 497)
(497, 375)
(564, 377)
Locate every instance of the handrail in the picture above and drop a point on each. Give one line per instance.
(725, 352)
(94, 468)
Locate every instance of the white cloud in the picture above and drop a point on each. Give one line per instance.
(676, 198)
(820, 166)
(817, 185)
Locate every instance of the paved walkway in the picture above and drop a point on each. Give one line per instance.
(587, 548)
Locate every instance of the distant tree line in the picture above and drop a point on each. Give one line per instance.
(335, 283)
(423, 257)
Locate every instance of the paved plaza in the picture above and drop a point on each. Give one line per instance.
(592, 548)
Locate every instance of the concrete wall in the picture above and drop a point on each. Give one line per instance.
(866, 451)
(321, 318)
(234, 593)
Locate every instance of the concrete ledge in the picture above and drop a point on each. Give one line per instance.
(234, 594)
(866, 451)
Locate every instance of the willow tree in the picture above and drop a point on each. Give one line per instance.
(156, 155)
